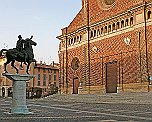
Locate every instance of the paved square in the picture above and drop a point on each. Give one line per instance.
(83, 108)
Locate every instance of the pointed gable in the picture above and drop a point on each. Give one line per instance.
(77, 22)
(99, 11)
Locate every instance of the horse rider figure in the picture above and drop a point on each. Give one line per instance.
(20, 47)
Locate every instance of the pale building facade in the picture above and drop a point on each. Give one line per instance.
(46, 77)
(5, 83)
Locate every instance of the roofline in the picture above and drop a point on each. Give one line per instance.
(101, 21)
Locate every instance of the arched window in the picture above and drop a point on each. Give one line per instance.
(77, 38)
(149, 15)
(118, 25)
(95, 33)
(75, 63)
(127, 22)
(122, 23)
(109, 28)
(105, 29)
(102, 30)
(91, 34)
(113, 26)
(72, 41)
(131, 21)
(80, 37)
(98, 32)
(69, 41)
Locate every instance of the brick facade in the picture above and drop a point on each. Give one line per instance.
(115, 56)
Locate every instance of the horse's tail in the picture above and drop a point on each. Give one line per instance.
(1, 52)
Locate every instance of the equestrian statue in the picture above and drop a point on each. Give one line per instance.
(22, 53)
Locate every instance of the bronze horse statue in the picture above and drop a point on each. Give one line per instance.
(13, 55)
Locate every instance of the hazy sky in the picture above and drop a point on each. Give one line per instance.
(41, 18)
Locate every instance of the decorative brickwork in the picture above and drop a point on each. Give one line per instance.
(118, 33)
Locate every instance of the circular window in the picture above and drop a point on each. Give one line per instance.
(106, 4)
(109, 2)
(75, 63)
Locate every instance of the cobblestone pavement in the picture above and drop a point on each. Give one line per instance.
(122, 107)
(133, 98)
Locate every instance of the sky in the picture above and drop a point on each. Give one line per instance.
(43, 19)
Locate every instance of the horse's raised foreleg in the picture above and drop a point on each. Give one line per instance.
(21, 66)
(12, 64)
(5, 64)
(27, 69)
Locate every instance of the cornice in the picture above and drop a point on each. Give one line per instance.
(130, 12)
(108, 35)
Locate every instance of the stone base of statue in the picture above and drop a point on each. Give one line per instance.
(19, 92)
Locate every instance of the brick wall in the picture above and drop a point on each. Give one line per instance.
(129, 45)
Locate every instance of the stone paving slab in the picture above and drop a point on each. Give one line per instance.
(74, 108)
(132, 98)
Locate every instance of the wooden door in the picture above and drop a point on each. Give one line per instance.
(75, 85)
(111, 77)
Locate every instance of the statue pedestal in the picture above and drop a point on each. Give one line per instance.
(19, 92)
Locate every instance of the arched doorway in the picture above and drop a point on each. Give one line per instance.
(75, 65)
(75, 85)
(111, 77)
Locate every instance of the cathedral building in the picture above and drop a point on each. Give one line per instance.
(107, 48)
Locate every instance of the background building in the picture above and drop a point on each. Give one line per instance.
(3, 83)
(107, 48)
(46, 79)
